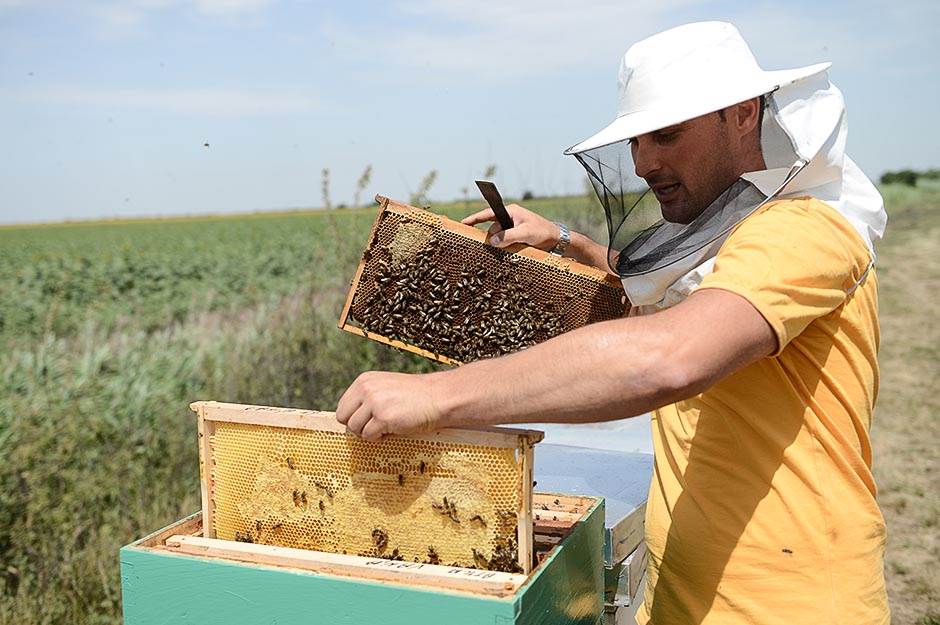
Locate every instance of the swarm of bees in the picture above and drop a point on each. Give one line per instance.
(465, 313)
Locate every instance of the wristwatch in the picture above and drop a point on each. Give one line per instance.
(564, 238)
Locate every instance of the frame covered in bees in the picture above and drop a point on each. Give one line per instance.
(296, 479)
(433, 286)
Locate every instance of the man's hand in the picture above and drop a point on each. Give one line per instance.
(533, 229)
(380, 403)
(529, 228)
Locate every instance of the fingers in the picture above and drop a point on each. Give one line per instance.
(373, 430)
(358, 420)
(479, 217)
(505, 238)
(348, 403)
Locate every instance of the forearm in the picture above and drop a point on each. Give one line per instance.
(584, 250)
(600, 372)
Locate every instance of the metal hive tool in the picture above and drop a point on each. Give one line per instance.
(295, 478)
(433, 286)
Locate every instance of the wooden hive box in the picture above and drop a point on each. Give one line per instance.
(176, 576)
(302, 523)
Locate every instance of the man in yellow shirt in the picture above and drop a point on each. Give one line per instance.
(753, 337)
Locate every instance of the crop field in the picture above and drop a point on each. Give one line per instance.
(108, 330)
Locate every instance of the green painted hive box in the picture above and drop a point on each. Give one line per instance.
(177, 576)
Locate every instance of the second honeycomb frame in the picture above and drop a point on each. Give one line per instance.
(209, 413)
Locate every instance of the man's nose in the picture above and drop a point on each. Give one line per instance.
(645, 157)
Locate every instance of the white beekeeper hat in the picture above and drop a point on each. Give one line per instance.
(690, 71)
(686, 72)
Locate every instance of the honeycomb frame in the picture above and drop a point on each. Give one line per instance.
(580, 293)
(295, 478)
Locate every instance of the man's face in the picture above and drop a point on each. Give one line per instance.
(687, 165)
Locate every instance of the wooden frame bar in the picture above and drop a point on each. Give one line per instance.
(205, 428)
(412, 573)
(326, 421)
(524, 519)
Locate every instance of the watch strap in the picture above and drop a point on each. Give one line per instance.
(564, 238)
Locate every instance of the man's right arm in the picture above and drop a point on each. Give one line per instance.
(533, 229)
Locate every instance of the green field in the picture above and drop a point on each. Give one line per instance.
(108, 330)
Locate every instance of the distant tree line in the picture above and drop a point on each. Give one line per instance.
(909, 176)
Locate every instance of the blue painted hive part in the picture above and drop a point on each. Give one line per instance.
(163, 586)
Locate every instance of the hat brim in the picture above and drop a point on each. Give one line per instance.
(641, 122)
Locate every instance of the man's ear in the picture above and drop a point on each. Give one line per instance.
(746, 115)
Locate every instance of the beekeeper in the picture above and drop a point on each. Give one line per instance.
(753, 337)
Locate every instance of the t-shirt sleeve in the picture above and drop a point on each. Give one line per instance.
(794, 261)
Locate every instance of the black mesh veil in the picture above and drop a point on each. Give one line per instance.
(640, 240)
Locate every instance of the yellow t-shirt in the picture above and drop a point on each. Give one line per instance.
(762, 504)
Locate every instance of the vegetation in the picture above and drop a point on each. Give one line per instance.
(109, 330)
(909, 177)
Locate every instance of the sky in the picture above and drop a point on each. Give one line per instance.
(106, 107)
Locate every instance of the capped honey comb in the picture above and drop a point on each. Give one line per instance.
(295, 478)
(433, 286)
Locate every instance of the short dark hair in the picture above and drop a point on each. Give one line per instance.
(760, 113)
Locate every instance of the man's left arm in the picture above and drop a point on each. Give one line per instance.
(601, 372)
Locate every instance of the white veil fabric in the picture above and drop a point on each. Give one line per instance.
(689, 71)
(802, 137)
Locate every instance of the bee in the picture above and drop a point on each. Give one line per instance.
(243, 538)
(322, 507)
(277, 526)
(258, 526)
(422, 467)
(290, 463)
(479, 560)
(380, 539)
(325, 488)
(478, 519)
(557, 503)
(544, 507)
(303, 498)
(401, 479)
(433, 558)
(296, 497)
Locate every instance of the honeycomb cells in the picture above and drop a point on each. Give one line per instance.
(427, 284)
(414, 500)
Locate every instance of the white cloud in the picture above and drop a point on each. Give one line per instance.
(486, 40)
(181, 101)
(132, 13)
(507, 39)
(224, 7)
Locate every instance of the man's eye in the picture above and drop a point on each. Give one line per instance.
(667, 137)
